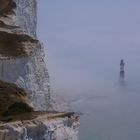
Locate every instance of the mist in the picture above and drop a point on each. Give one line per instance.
(84, 43)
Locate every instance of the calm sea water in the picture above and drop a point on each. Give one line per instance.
(84, 43)
(110, 106)
(110, 112)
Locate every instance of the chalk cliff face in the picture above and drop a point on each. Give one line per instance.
(24, 80)
(21, 54)
(40, 129)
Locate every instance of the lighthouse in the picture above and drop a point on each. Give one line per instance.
(122, 72)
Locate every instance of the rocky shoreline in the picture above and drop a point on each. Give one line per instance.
(46, 126)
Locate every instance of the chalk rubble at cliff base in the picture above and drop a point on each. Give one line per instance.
(19, 121)
(53, 126)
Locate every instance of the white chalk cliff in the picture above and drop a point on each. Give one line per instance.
(44, 127)
(21, 54)
(24, 80)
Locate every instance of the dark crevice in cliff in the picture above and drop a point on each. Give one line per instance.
(7, 7)
(17, 108)
(13, 100)
(4, 36)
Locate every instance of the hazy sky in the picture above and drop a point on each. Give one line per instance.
(85, 39)
(84, 42)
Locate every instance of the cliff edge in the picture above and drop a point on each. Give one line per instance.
(45, 127)
(24, 80)
(21, 54)
(19, 121)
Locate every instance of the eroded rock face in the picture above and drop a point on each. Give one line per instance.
(40, 129)
(26, 15)
(7, 7)
(21, 54)
(13, 100)
(22, 13)
(26, 85)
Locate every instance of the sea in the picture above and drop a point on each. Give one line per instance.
(109, 106)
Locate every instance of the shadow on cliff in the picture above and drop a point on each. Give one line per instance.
(13, 101)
